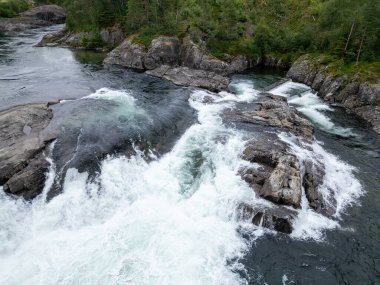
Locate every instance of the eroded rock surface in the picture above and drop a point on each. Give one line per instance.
(185, 76)
(22, 168)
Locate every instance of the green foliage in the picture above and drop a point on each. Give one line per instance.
(93, 42)
(11, 8)
(348, 30)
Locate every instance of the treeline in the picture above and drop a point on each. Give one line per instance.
(348, 30)
(11, 8)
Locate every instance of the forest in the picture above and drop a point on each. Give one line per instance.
(343, 30)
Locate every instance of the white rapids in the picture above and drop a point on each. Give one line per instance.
(309, 104)
(170, 221)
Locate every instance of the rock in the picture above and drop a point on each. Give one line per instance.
(198, 57)
(41, 16)
(30, 181)
(112, 35)
(128, 54)
(48, 13)
(194, 64)
(11, 26)
(277, 177)
(65, 38)
(21, 143)
(272, 111)
(185, 76)
(360, 97)
(279, 219)
(162, 51)
(313, 179)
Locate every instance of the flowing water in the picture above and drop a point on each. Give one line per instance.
(163, 210)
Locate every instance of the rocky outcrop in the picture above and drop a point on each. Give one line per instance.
(41, 16)
(185, 76)
(49, 13)
(273, 111)
(128, 54)
(278, 176)
(106, 39)
(22, 167)
(112, 36)
(362, 98)
(184, 63)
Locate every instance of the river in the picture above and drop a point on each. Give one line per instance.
(151, 189)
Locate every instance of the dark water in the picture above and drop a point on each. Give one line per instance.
(158, 113)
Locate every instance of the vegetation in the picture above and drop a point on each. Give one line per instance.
(11, 8)
(346, 31)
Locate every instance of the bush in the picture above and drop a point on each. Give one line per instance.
(11, 8)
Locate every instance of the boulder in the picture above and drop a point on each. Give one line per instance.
(278, 219)
(277, 176)
(48, 13)
(112, 35)
(162, 51)
(21, 144)
(128, 54)
(272, 111)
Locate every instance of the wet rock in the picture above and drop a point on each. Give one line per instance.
(30, 181)
(313, 178)
(362, 98)
(279, 219)
(185, 76)
(277, 177)
(21, 143)
(272, 111)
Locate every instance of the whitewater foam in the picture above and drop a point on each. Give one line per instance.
(170, 221)
(309, 104)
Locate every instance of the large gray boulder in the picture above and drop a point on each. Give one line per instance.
(48, 13)
(278, 176)
(112, 36)
(162, 51)
(128, 54)
(22, 168)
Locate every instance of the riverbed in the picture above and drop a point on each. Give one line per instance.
(155, 204)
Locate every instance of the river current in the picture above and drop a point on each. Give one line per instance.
(167, 214)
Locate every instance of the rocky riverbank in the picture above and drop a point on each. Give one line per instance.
(362, 98)
(37, 17)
